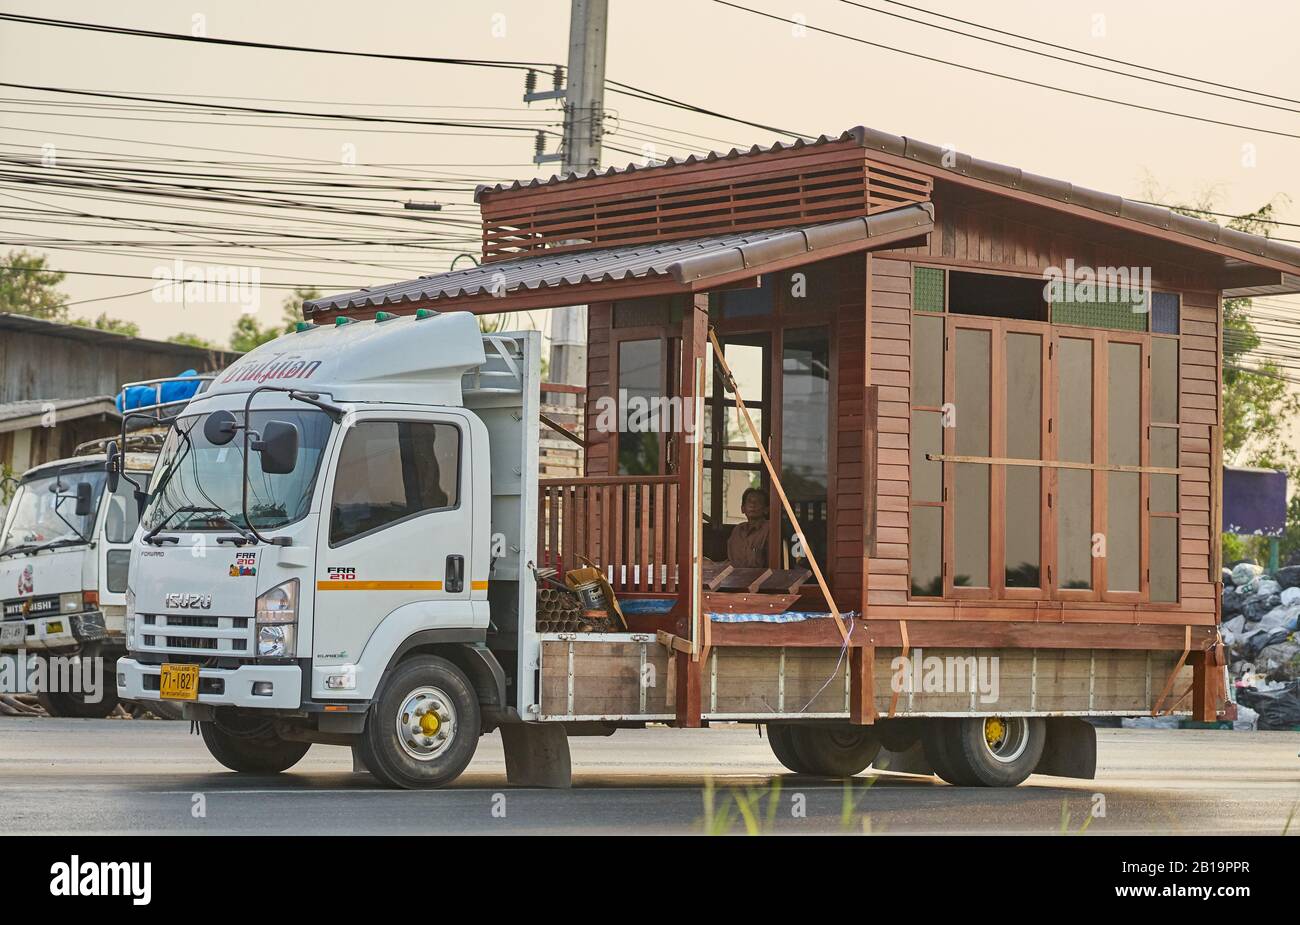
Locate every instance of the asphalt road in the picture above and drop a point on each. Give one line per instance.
(60, 776)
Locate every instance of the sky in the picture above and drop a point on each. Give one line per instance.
(703, 52)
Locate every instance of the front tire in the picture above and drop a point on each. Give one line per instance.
(251, 747)
(423, 728)
(76, 705)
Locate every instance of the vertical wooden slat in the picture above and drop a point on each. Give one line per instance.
(618, 558)
(643, 552)
(658, 579)
(671, 527)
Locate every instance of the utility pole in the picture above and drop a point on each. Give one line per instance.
(584, 118)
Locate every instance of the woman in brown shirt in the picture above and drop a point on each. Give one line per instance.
(747, 545)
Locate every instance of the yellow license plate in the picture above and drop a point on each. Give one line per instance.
(55, 627)
(179, 682)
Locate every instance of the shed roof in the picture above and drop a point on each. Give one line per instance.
(690, 262)
(942, 161)
(20, 415)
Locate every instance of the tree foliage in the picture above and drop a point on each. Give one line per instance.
(249, 334)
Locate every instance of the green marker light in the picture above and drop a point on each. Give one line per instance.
(424, 313)
(341, 320)
(303, 326)
(384, 316)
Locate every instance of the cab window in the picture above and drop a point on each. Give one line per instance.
(391, 470)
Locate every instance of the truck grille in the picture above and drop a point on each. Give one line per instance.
(201, 635)
(19, 608)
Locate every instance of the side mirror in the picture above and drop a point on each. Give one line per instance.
(278, 446)
(85, 499)
(220, 427)
(111, 466)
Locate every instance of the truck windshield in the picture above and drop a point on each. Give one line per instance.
(43, 513)
(197, 486)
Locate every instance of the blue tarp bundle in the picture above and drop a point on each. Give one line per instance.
(142, 396)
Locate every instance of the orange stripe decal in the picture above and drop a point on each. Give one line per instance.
(379, 586)
(478, 585)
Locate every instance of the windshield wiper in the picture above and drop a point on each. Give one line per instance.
(65, 541)
(22, 547)
(187, 509)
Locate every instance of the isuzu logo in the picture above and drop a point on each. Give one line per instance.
(188, 601)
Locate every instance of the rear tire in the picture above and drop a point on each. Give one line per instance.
(937, 738)
(424, 726)
(841, 750)
(251, 747)
(999, 751)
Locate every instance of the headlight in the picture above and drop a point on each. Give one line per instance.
(130, 619)
(280, 604)
(275, 640)
(70, 602)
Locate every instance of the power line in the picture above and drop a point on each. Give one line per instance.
(1043, 54)
(998, 74)
(1089, 54)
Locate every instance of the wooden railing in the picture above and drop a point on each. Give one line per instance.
(627, 525)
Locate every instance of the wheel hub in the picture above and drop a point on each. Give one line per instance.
(426, 723)
(1006, 738)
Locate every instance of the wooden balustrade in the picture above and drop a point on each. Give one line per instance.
(627, 525)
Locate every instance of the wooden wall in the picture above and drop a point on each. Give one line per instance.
(974, 237)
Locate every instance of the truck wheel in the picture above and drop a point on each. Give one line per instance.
(76, 705)
(938, 738)
(251, 747)
(841, 750)
(424, 726)
(780, 738)
(992, 751)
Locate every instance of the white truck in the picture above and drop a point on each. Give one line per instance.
(313, 561)
(65, 549)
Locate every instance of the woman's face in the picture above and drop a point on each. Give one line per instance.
(754, 507)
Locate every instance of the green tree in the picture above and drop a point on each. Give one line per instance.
(29, 287)
(193, 340)
(113, 325)
(249, 334)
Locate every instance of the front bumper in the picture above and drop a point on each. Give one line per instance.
(220, 687)
(56, 631)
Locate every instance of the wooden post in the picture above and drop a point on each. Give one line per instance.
(690, 521)
(862, 684)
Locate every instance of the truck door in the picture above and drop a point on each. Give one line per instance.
(120, 518)
(396, 533)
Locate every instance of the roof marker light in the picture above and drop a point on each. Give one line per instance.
(384, 316)
(303, 326)
(424, 313)
(340, 321)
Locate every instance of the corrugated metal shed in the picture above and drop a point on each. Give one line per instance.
(686, 262)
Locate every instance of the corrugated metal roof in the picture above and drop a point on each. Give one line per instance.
(17, 415)
(685, 261)
(946, 160)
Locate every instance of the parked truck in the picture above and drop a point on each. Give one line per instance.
(339, 546)
(65, 548)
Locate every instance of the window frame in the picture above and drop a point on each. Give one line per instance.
(460, 476)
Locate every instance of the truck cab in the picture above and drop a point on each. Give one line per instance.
(65, 547)
(312, 564)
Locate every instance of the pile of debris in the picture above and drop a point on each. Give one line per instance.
(1260, 614)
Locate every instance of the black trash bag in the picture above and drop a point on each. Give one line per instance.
(1277, 709)
(1227, 577)
(1232, 603)
(1250, 644)
(1288, 576)
(1255, 607)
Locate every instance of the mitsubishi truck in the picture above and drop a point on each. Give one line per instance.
(65, 547)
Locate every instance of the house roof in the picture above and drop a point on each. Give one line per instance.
(690, 262)
(191, 355)
(20, 415)
(945, 162)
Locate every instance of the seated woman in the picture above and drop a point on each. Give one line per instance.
(747, 545)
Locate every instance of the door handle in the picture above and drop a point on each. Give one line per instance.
(454, 582)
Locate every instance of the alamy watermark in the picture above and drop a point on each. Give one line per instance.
(182, 283)
(23, 673)
(951, 674)
(1082, 283)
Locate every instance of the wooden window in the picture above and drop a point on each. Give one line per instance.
(1043, 460)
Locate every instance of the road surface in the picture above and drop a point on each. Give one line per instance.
(63, 776)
